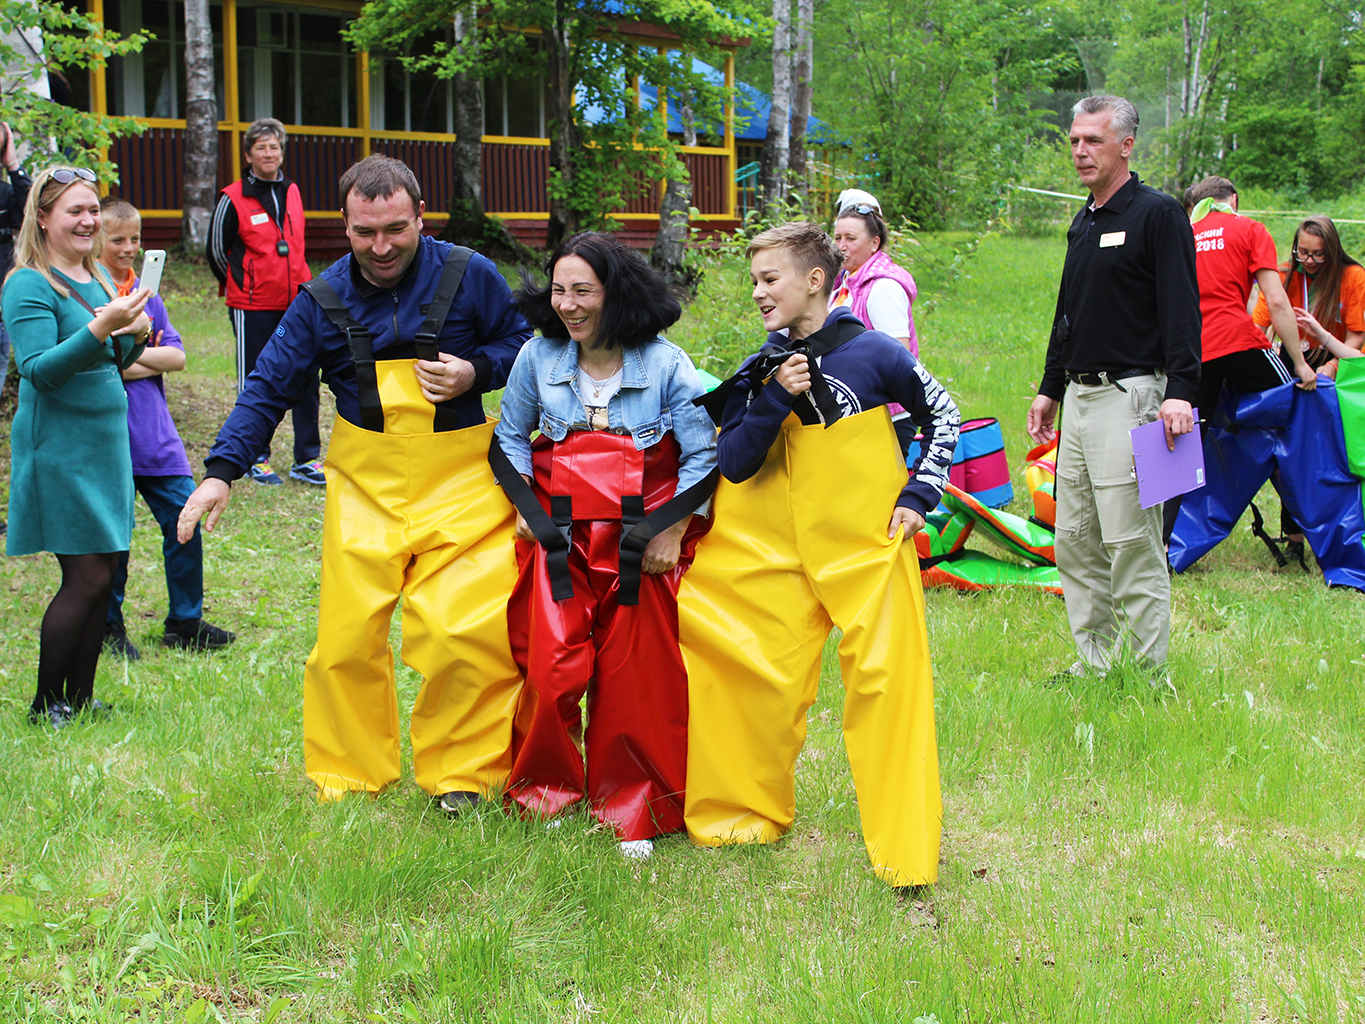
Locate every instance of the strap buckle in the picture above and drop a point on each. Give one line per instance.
(428, 346)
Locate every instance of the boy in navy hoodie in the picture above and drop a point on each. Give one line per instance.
(810, 530)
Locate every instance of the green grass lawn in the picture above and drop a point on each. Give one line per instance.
(1108, 855)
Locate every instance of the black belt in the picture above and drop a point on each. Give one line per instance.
(1105, 377)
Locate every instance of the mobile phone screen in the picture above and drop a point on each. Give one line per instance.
(151, 269)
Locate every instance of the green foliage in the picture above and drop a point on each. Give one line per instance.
(937, 94)
(1110, 854)
(624, 148)
(72, 41)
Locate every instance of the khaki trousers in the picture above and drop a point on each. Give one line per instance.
(1109, 551)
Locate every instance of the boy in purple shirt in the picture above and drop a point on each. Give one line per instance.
(161, 472)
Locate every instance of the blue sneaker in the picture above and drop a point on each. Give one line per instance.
(309, 473)
(263, 474)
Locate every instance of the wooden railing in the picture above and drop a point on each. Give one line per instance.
(514, 177)
(515, 172)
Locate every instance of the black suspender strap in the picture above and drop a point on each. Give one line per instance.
(771, 356)
(429, 334)
(362, 355)
(1258, 530)
(553, 534)
(635, 537)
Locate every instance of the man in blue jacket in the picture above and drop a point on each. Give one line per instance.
(408, 333)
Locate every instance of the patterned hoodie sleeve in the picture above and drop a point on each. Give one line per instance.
(933, 410)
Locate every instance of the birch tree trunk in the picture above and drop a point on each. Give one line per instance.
(670, 244)
(201, 129)
(776, 151)
(469, 224)
(564, 219)
(803, 89)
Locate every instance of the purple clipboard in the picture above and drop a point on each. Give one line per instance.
(1162, 473)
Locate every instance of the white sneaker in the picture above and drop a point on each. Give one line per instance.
(637, 849)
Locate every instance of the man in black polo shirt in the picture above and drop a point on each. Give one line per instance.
(1125, 350)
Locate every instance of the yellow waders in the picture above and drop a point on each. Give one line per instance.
(797, 548)
(415, 513)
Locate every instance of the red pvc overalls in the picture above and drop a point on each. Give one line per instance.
(624, 657)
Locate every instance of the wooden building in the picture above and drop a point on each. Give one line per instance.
(289, 61)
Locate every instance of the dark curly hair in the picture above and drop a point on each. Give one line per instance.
(638, 303)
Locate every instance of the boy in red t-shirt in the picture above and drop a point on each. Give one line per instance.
(1231, 254)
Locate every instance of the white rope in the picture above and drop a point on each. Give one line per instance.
(1291, 214)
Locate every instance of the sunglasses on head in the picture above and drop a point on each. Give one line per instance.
(66, 175)
(862, 208)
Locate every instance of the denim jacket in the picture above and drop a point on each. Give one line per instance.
(658, 383)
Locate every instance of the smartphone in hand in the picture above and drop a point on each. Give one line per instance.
(152, 264)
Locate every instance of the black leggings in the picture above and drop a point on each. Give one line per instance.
(73, 631)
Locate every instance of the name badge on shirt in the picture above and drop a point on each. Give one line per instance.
(261, 218)
(1112, 239)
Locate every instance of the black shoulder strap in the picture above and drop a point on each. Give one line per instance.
(770, 357)
(75, 294)
(634, 539)
(553, 536)
(367, 382)
(429, 334)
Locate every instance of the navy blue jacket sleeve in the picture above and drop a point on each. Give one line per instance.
(748, 429)
(499, 323)
(286, 368)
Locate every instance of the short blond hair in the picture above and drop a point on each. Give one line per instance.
(808, 245)
(118, 211)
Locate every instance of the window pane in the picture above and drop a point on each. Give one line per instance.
(319, 32)
(282, 86)
(428, 103)
(322, 95)
(156, 80)
(395, 89)
(523, 106)
(492, 107)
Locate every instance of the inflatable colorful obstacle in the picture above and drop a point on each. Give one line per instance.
(979, 464)
(1311, 446)
(941, 545)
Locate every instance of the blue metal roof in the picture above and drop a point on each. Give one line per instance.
(752, 107)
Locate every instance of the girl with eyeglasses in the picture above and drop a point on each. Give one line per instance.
(71, 475)
(1324, 282)
(1321, 279)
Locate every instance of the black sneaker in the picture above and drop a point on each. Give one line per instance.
(457, 802)
(116, 642)
(196, 635)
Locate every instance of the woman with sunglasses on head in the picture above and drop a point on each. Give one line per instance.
(879, 291)
(1322, 280)
(71, 476)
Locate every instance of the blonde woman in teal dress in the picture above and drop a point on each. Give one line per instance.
(71, 475)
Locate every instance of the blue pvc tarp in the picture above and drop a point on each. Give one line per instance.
(1294, 439)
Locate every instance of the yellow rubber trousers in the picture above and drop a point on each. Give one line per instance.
(799, 547)
(417, 514)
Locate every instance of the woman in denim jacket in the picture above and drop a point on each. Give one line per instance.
(605, 532)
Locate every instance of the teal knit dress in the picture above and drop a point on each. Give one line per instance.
(71, 474)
